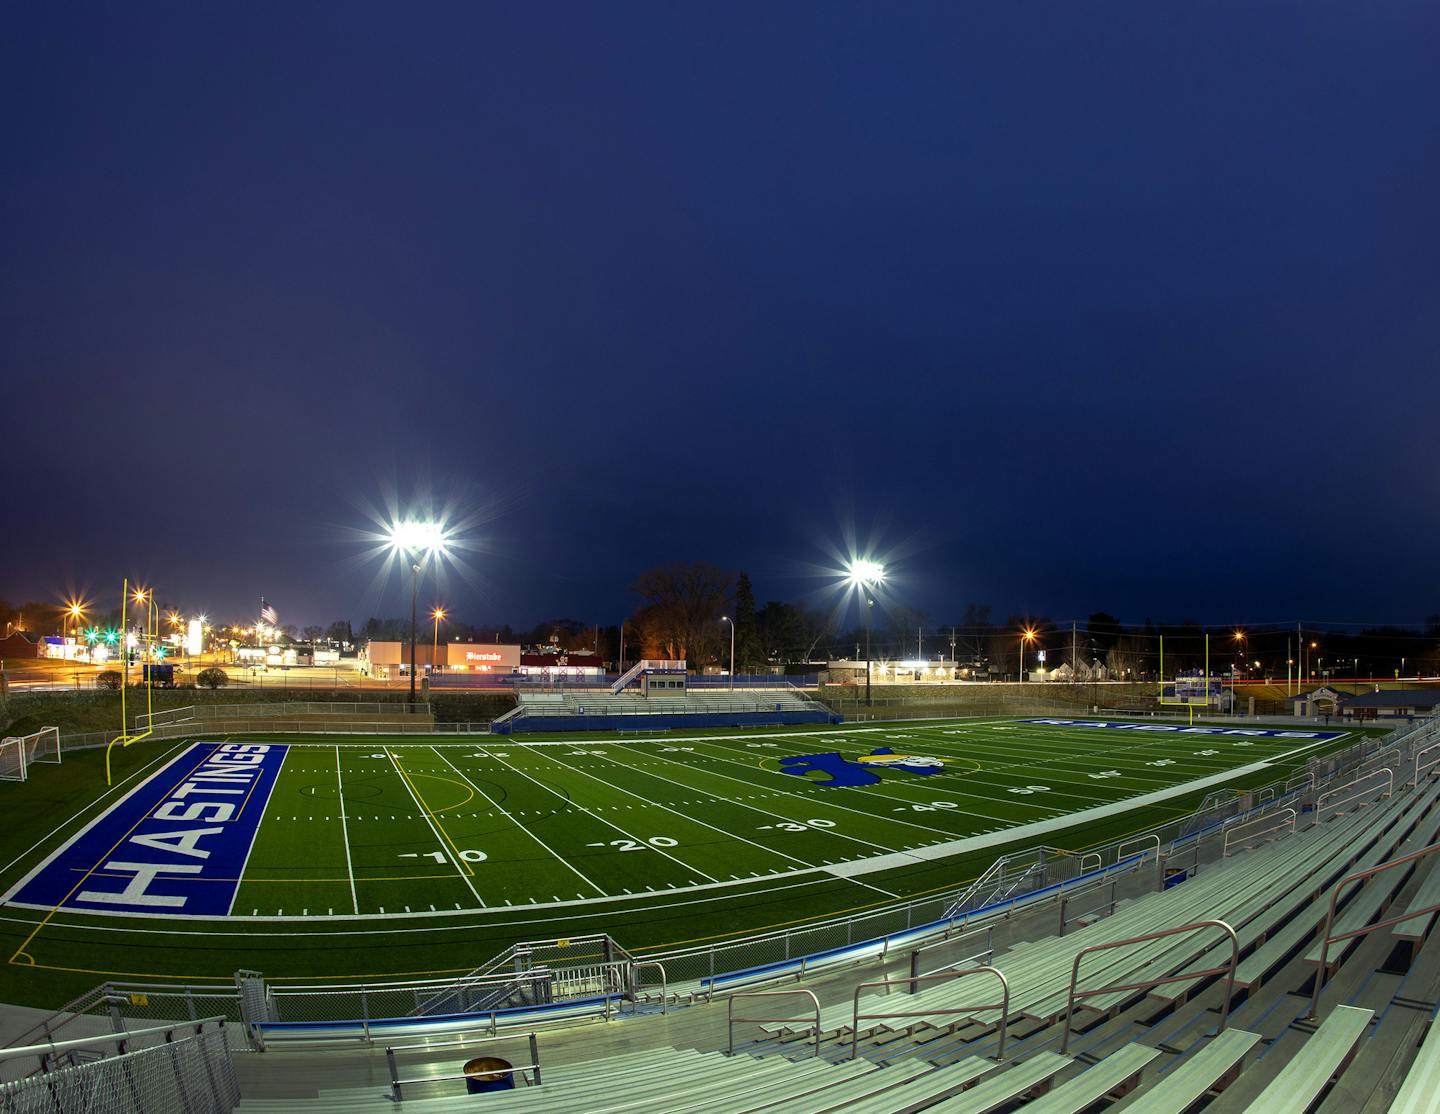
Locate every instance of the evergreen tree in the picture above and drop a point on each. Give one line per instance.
(749, 656)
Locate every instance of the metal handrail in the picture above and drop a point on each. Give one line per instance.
(396, 1083)
(1320, 803)
(915, 953)
(119, 1040)
(664, 985)
(1419, 754)
(1003, 1005)
(1327, 939)
(1279, 814)
(1159, 858)
(1149, 984)
(1066, 899)
(1391, 758)
(730, 1017)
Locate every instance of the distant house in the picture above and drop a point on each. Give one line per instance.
(1392, 703)
(1323, 701)
(20, 644)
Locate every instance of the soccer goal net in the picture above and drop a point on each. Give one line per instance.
(19, 752)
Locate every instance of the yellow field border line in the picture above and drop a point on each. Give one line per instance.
(460, 864)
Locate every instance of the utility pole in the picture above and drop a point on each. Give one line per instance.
(414, 588)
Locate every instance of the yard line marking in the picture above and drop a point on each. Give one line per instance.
(875, 816)
(607, 823)
(344, 830)
(559, 857)
(461, 867)
(762, 812)
(697, 820)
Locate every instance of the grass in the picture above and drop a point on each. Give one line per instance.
(448, 852)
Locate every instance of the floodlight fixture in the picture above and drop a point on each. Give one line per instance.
(418, 537)
(864, 571)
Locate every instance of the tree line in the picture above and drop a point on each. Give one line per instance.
(681, 608)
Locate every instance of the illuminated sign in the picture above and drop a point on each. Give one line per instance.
(471, 655)
(195, 637)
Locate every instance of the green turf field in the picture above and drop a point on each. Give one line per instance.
(389, 856)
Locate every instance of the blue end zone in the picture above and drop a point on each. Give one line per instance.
(664, 721)
(1181, 729)
(176, 845)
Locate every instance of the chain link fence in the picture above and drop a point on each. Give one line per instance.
(182, 1071)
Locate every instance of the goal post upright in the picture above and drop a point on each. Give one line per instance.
(1186, 703)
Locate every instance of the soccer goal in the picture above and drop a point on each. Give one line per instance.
(18, 753)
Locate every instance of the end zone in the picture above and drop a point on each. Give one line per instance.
(176, 845)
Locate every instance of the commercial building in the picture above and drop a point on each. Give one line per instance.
(20, 644)
(385, 658)
(572, 666)
(1391, 703)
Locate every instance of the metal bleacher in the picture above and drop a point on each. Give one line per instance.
(630, 710)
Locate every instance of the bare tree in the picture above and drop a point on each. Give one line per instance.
(681, 609)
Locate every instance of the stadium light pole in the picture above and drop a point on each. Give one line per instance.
(865, 574)
(727, 619)
(437, 615)
(75, 612)
(1239, 640)
(416, 541)
(1026, 635)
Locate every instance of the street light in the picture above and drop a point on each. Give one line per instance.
(727, 619)
(437, 615)
(1026, 635)
(416, 541)
(865, 574)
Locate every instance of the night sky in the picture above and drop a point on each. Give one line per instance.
(1060, 307)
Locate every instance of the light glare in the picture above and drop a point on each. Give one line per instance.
(866, 572)
(418, 537)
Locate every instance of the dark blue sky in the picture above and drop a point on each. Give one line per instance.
(1127, 305)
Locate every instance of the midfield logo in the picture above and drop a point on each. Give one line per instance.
(842, 773)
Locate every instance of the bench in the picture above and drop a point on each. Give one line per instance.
(828, 1096)
(1418, 928)
(1330, 1048)
(1032, 1075)
(1420, 1093)
(1213, 1068)
(1114, 1076)
(919, 1094)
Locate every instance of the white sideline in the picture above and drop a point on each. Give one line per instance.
(1034, 828)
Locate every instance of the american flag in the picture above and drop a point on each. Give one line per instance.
(268, 613)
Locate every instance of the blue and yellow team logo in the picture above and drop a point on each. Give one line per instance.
(842, 772)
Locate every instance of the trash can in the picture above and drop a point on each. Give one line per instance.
(487, 1073)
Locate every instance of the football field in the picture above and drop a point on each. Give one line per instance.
(391, 829)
